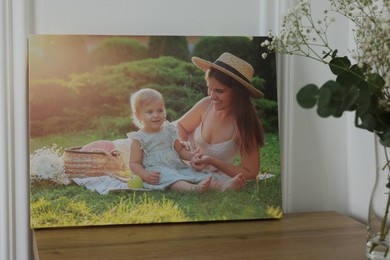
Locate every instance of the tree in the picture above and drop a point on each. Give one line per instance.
(265, 68)
(115, 50)
(174, 46)
(210, 47)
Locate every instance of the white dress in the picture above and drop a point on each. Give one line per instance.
(159, 155)
(226, 151)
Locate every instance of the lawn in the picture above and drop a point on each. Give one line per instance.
(71, 205)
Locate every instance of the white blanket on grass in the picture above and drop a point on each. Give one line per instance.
(105, 184)
(102, 184)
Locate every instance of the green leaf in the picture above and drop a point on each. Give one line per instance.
(375, 83)
(328, 100)
(334, 54)
(351, 76)
(326, 54)
(384, 138)
(307, 96)
(339, 65)
(368, 122)
(325, 107)
(351, 97)
(324, 96)
(325, 111)
(333, 86)
(337, 98)
(364, 102)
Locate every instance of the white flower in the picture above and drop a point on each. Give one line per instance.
(300, 35)
(265, 43)
(47, 164)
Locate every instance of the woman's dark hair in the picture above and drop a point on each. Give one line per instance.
(249, 126)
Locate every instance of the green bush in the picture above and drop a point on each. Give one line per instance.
(112, 127)
(87, 100)
(249, 49)
(210, 47)
(174, 46)
(178, 99)
(117, 50)
(49, 98)
(267, 111)
(79, 103)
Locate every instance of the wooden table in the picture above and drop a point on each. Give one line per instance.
(319, 235)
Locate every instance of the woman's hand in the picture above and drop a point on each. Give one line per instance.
(152, 177)
(199, 162)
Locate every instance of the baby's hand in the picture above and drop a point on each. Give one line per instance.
(188, 145)
(199, 162)
(153, 177)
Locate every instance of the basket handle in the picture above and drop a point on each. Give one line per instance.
(112, 153)
(116, 155)
(115, 152)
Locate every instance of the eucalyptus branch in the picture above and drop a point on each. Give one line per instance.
(371, 33)
(363, 87)
(384, 226)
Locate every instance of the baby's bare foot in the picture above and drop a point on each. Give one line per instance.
(203, 185)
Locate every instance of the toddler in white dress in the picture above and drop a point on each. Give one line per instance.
(156, 153)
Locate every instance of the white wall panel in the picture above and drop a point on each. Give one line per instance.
(323, 159)
(178, 17)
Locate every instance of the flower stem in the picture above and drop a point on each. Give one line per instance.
(384, 229)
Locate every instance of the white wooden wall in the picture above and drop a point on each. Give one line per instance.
(326, 165)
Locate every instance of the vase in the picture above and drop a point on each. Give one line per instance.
(378, 245)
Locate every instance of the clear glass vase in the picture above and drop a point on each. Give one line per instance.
(378, 216)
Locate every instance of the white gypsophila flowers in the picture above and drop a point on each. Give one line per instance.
(47, 164)
(371, 19)
(301, 36)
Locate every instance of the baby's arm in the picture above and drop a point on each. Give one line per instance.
(182, 151)
(189, 156)
(136, 166)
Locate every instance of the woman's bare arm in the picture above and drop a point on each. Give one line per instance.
(192, 119)
(249, 166)
(250, 162)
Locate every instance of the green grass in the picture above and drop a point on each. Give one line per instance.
(71, 205)
(71, 139)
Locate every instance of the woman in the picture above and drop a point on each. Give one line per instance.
(224, 124)
(156, 152)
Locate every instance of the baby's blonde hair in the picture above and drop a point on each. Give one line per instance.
(143, 97)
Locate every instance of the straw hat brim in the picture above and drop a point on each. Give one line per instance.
(206, 65)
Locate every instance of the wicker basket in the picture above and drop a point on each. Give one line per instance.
(81, 164)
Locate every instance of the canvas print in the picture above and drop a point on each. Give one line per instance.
(152, 129)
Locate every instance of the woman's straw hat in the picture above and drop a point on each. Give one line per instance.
(233, 66)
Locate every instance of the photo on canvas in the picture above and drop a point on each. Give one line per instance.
(130, 129)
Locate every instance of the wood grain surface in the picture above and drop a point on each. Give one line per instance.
(316, 235)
